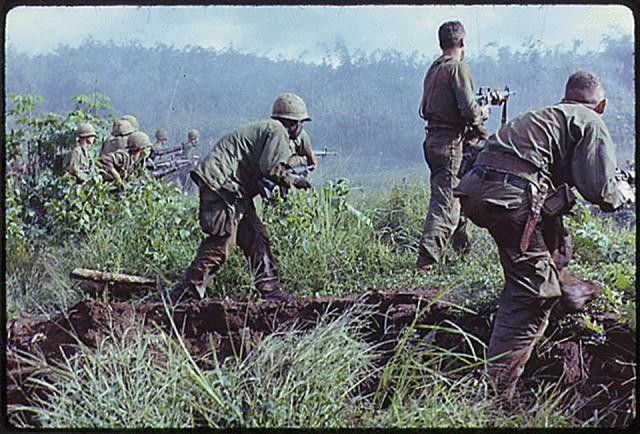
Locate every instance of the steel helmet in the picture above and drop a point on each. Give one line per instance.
(122, 128)
(138, 140)
(290, 106)
(162, 134)
(85, 130)
(193, 134)
(132, 120)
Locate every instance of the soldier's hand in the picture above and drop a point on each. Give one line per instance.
(627, 191)
(485, 111)
(302, 183)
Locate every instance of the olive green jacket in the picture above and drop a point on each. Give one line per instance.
(567, 143)
(448, 96)
(114, 143)
(119, 160)
(80, 163)
(303, 154)
(241, 158)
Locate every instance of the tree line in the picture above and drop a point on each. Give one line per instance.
(365, 107)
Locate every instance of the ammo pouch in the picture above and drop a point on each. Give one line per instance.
(559, 201)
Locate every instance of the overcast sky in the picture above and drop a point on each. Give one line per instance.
(308, 32)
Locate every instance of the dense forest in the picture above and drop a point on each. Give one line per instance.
(365, 107)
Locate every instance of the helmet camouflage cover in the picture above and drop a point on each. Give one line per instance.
(85, 130)
(290, 106)
(193, 134)
(122, 127)
(162, 134)
(138, 140)
(132, 120)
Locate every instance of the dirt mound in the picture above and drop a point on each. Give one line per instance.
(601, 368)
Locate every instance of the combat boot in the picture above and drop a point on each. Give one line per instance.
(576, 293)
(270, 291)
(183, 292)
(425, 263)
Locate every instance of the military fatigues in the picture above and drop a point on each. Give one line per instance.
(303, 154)
(114, 143)
(564, 143)
(121, 161)
(80, 163)
(448, 105)
(228, 180)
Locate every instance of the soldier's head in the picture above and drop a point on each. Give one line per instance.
(132, 120)
(122, 127)
(586, 88)
(291, 111)
(193, 136)
(85, 134)
(162, 136)
(137, 143)
(451, 35)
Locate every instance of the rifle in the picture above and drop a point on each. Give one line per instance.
(325, 152)
(490, 96)
(162, 169)
(181, 148)
(266, 186)
(472, 135)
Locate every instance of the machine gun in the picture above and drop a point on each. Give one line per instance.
(266, 186)
(472, 143)
(499, 97)
(325, 152)
(180, 149)
(164, 168)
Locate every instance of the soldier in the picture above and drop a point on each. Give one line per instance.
(120, 133)
(228, 179)
(80, 163)
(162, 136)
(519, 188)
(132, 120)
(449, 107)
(120, 164)
(193, 136)
(302, 153)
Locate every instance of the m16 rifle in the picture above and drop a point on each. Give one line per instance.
(161, 169)
(325, 152)
(266, 186)
(474, 135)
(180, 149)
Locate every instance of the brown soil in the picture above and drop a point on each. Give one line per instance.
(598, 368)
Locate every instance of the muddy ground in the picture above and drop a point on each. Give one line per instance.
(600, 368)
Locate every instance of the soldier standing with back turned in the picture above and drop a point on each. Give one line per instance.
(519, 189)
(449, 107)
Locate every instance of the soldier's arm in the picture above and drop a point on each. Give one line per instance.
(462, 86)
(109, 164)
(593, 168)
(274, 158)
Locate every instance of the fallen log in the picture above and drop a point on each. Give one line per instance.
(105, 276)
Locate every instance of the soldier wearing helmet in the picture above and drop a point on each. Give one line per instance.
(162, 137)
(80, 163)
(228, 179)
(193, 136)
(120, 132)
(119, 165)
(448, 106)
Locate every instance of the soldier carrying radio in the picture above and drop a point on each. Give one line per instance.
(450, 109)
(519, 188)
